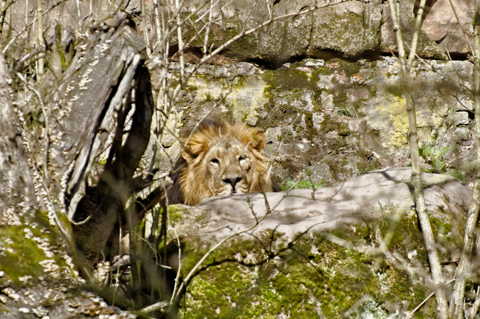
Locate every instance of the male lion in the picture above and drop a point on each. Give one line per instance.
(219, 159)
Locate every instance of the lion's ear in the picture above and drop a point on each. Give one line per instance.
(187, 156)
(251, 137)
(258, 141)
(198, 144)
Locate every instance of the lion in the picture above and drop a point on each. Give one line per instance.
(220, 158)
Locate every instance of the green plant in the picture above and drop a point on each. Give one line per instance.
(433, 156)
(342, 110)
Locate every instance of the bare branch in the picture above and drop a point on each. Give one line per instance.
(461, 27)
(205, 42)
(41, 43)
(418, 24)
(146, 36)
(394, 10)
(457, 305)
(476, 305)
(28, 26)
(45, 116)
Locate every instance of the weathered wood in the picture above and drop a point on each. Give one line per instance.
(105, 203)
(87, 107)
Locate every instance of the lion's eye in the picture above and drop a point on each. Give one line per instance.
(241, 158)
(215, 161)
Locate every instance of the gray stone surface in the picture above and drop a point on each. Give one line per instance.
(55, 302)
(305, 210)
(351, 28)
(348, 29)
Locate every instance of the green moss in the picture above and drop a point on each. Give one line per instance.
(290, 80)
(396, 90)
(21, 252)
(349, 67)
(241, 48)
(264, 277)
(324, 71)
(340, 99)
(175, 214)
(329, 125)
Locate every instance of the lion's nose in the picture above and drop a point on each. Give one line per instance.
(232, 181)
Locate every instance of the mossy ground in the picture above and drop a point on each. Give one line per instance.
(312, 277)
(22, 252)
(24, 247)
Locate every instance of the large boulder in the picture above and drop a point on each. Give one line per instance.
(300, 211)
(352, 251)
(351, 28)
(425, 46)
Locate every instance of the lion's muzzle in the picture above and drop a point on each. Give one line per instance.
(233, 181)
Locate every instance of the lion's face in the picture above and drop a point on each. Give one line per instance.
(227, 165)
(223, 159)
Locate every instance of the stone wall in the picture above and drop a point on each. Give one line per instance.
(326, 89)
(351, 29)
(334, 118)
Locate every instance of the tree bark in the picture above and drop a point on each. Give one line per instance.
(17, 193)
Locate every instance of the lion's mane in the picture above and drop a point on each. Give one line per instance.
(219, 158)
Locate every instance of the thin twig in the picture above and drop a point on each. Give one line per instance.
(418, 24)
(41, 42)
(421, 209)
(205, 42)
(37, 51)
(410, 315)
(270, 16)
(398, 31)
(161, 306)
(457, 304)
(460, 25)
(157, 20)
(180, 43)
(474, 309)
(45, 116)
(146, 36)
(179, 270)
(28, 26)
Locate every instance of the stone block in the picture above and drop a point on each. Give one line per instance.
(460, 118)
(442, 26)
(349, 28)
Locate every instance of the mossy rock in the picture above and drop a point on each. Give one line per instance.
(314, 276)
(322, 253)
